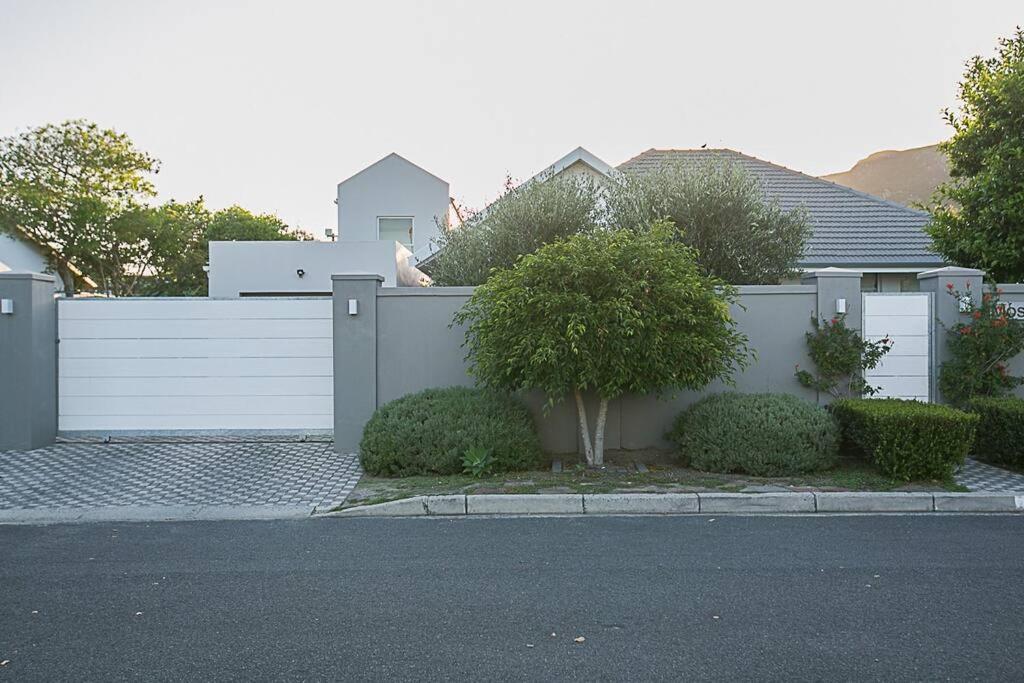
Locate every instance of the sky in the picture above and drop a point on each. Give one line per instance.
(270, 104)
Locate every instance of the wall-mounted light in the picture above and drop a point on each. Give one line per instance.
(300, 272)
(353, 306)
(840, 305)
(7, 306)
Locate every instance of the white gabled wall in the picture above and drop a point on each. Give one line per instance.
(393, 186)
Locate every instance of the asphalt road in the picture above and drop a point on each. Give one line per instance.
(766, 598)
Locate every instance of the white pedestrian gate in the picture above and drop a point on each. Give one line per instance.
(195, 364)
(905, 372)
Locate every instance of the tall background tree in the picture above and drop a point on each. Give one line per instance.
(978, 216)
(78, 189)
(182, 232)
(521, 221)
(81, 192)
(719, 210)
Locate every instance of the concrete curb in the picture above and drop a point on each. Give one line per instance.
(688, 503)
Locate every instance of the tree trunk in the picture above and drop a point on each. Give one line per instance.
(602, 417)
(581, 411)
(68, 278)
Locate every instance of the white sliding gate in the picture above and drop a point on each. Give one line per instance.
(905, 372)
(195, 364)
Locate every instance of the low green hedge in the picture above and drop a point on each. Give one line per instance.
(765, 435)
(430, 431)
(1000, 438)
(907, 440)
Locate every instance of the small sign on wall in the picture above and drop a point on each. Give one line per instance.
(1014, 310)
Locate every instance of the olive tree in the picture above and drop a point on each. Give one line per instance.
(611, 312)
(519, 222)
(719, 209)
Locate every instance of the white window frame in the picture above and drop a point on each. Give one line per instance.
(412, 225)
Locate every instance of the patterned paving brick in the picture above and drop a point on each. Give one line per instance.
(978, 476)
(167, 472)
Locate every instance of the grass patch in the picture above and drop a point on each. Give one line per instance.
(621, 475)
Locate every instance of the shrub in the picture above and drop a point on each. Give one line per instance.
(841, 356)
(980, 348)
(907, 439)
(430, 432)
(1000, 438)
(765, 435)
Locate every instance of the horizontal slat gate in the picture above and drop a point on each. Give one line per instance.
(195, 364)
(906, 319)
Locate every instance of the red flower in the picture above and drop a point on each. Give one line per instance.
(835, 320)
(949, 286)
(966, 329)
(976, 315)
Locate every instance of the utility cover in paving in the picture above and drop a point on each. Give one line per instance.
(174, 479)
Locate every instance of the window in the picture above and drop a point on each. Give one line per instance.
(395, 229)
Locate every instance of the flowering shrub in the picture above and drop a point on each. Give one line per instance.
(980, 348)
(841, 357)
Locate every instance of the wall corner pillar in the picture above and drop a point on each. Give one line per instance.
(942, 283)
(355, 356)
(28, 361)
(839, 293)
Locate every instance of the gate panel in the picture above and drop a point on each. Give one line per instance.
(195, 364)
(905, 372)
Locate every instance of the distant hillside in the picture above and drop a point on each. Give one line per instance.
(907, 177)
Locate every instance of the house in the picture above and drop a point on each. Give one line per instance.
(849, 229)
(386, 212)
(20, 253)
(396, 200)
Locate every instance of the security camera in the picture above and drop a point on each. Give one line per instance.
(300, 272)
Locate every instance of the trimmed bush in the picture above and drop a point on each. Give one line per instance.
(907, 440)
(765, 435)
(430, 432)
(1000, 438)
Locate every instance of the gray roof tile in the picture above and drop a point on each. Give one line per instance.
(848, 227)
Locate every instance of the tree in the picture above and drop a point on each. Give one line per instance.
(720, 210)
(978, 216)
(610, 312)
(181, 233)
(519, 222)
(78, 189)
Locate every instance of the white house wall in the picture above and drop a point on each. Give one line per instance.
(391, 187)
(272, 267)
(20, 256)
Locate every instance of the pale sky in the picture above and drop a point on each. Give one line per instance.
(271, 104)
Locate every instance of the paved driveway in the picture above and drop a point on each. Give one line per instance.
(139, 479)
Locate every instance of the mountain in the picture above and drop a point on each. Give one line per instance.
(907, 177)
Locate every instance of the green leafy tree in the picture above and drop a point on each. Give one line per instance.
(79, 190)
(978, 216)
(611, 312)
(720, 210)
(181, 233)
(980, 349)
(180, 249)
(521, 221)
(841, 356)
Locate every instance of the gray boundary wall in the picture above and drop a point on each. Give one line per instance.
(401, 341)
(28, 371)
(1014, 295)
